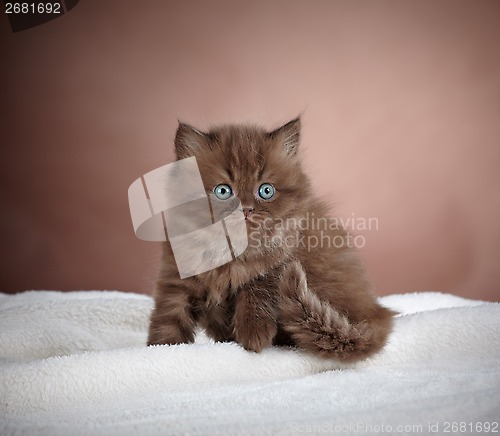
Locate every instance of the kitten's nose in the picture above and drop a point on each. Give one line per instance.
(247, 211)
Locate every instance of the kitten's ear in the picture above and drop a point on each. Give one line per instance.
(289, 136)
(188, 140)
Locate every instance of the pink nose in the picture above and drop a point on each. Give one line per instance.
(247, 211)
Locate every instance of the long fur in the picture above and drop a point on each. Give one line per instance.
(281, 290)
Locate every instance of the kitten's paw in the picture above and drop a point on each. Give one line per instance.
(256, 335)
(169, 335)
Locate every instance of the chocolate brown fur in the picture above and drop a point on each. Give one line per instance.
(318, 299)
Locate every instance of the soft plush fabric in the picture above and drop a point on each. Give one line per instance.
(76, 363)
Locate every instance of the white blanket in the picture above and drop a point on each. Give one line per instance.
(76, 364)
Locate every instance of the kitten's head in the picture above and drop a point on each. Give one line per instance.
(262, 169)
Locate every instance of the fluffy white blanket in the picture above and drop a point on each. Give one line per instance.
(76, 363)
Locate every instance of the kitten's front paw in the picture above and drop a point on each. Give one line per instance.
(256, 334)
(169, 334)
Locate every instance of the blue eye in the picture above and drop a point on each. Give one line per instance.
(223, 192)
(266, 191)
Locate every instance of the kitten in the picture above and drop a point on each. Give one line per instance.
(283, 290)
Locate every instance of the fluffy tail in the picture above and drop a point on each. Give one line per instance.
(315, 326)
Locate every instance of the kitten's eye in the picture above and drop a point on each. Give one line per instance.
(223, 192)
(266, 191)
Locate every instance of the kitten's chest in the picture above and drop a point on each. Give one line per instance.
(225, 282)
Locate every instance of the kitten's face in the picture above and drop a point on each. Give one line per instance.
(259, 168)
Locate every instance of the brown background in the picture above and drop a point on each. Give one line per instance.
(401, 122)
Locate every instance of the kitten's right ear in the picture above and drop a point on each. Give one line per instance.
(289, 136)
(188, 140)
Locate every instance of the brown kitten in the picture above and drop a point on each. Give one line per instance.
(281, 290)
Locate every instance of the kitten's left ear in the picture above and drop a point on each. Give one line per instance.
(289, 136)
